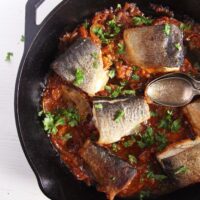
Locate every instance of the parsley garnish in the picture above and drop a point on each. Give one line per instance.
(128, 92)
(132, 159)
(121, 48)
(22, 39)
(86, 24)
(79, 77)
(115, 147)
(176, 125)
(167, 29)
(147, 139)
(161, 141)
(185, 27)
(129, 142)
(139, 20)
(119, 6)
(153, 114)
(135, 77)
(158, 177)
(111, 73)
(119, 115)
(181, 170)
(95, 64)
(115, 28)
(9, 55)
(178, 46)
(98, 31)
(135, 68)
(144, 194)
(98, 106)
(72, 117)
(66, 137)
(51, 122)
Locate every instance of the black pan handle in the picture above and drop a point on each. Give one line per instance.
(31, 28)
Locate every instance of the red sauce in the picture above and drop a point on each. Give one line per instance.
(52, 100)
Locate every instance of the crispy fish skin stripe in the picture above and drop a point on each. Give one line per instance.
(185, 155)
(135, 110)
(86, 56)
(110, 172)
(151, 47)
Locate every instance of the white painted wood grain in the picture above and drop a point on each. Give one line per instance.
(17, 181)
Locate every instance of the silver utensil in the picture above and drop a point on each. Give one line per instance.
(174, 90)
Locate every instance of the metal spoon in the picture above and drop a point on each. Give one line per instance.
(174, 90)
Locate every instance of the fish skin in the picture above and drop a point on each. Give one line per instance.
(184, 153)
(153, 48)
(80, 56)
(192, 112)
(136, 111)
(111, 173)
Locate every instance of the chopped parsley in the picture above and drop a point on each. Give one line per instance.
(161, 141)
(9, 55)
(132, 159)
(121, 48)
(72, 116)
(128, 92)
(135, 68)
(66, 137)
(51, 122)
(119, 6)
(168, 123)
(79, 77)
(115, 28)
(98, 31)
(167, 29)
(119, 115)
(153, 114)
(147, 139)
(111, 73)
(115, 147)
(116, 92)
(140, 20)
(94, 55)
(86, 24)
(144, 194)
(181, 170)
(135, 77)
(178, 46)
(185, 27)
(98, 106)
(158, 177)
(129, 142)
(22, 39)
(95, 64)
(108, 88)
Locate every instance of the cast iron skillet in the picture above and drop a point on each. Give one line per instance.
(41, 42)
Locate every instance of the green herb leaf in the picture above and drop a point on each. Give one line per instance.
(147, 139)
(119, 6)
(135, 68)
(185, 27)
(139, 20)
(98, 106)
(108, 88)
(94, 55)
(51, 122)
(153, 114)
(115, 93)
(86, 24)
(129, 142)
(167, 29)
(119, 115)
(98, 31)
(22, 39)
(40, 113)
(9, 55)
(79, 77)
(121, 48)
(128, 92)
(161, 141)
(158, 177)
(135, 77)
(95, 64)
(178, 46)
(176, 125)
(66, 137)
(115, 147)
(72, 116)
(181, 170)
(144, 194)
(132, 159)
(115, 28)
(111, 73)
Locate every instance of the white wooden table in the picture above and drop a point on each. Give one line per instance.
(17, 181)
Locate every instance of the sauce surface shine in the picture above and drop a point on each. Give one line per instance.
(166, 125)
